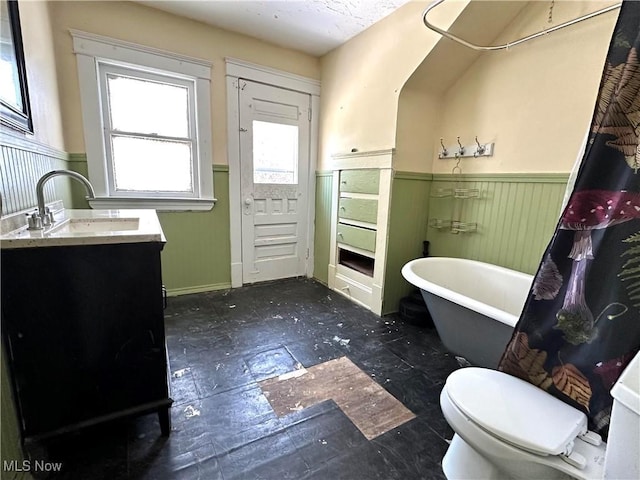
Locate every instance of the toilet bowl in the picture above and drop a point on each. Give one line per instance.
(506, 428)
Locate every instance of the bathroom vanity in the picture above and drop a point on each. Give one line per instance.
(83, 321)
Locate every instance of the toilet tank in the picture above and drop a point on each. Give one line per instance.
(622, 460)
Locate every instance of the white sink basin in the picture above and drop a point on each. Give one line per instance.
(83, 226)
(89, 227)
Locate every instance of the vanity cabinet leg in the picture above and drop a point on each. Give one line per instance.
(164, 416)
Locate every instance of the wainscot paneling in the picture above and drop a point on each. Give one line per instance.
(322, 239)
(407, 230)
(22, 163)
(197, 256)
(516, 216)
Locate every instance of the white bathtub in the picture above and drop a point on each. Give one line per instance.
(474, 305)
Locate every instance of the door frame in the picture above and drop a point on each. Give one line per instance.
(239, 69)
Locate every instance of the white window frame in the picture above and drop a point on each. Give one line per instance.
(107, 69)
(95, 55)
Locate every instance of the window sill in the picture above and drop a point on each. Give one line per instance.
(160, 204)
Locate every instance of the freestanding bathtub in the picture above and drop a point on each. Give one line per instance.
(474, 305)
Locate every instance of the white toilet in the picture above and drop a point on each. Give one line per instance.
(506, 428)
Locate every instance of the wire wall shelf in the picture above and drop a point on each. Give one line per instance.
(456, 193)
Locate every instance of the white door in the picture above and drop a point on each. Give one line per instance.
(274, 159)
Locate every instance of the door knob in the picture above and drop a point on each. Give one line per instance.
(248, 201)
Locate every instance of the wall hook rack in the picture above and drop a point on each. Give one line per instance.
(476, 150)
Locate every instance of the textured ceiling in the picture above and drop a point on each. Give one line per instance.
(312, 26)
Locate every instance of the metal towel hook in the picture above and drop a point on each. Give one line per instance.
(444, 152)
(480, 149)
(460, 148)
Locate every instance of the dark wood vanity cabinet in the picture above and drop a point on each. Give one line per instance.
(83, 328)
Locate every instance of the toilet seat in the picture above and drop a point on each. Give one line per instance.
(516, 411)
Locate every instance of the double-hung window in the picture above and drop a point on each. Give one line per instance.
(147, 125)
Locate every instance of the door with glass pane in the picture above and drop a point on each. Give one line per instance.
(274, 156)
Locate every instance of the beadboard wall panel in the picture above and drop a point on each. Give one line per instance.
(407, 230)
(324, 195)
(516, 216)
(20, 169)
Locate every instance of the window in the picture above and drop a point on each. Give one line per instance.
(150, 143)
(147, 124)
(275, 153)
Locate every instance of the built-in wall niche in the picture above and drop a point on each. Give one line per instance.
(355, 261)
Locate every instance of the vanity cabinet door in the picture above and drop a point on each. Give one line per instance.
(84, 330)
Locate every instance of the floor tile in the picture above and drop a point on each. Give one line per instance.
(269, 458)
(369, 406)
(222, 344)
(310, 352)
(214, 374)
(324, 435)
(271, 363)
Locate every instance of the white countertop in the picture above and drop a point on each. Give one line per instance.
(89, 227)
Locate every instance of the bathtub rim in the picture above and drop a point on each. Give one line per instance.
(492, 312)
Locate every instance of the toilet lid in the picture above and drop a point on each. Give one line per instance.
(515, 411)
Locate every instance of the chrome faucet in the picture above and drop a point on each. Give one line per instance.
(43, 217)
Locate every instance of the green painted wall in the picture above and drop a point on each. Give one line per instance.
(78, 163)
(324, 194)
(516, 216)
(197, 256)
(407, 229)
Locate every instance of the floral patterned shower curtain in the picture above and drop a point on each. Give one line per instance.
(581, 324)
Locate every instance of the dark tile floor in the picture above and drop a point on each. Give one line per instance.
(222, 343)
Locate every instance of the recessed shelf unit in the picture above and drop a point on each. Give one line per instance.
(357, 262)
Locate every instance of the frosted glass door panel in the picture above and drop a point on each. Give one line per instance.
(275, 153)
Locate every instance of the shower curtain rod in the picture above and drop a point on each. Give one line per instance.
(516, 42)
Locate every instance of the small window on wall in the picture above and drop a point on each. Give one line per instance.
(147, 126)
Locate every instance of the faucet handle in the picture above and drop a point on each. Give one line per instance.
(49, 213)
(47, 218)
(34, 221)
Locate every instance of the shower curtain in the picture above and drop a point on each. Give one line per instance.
(580, 325)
